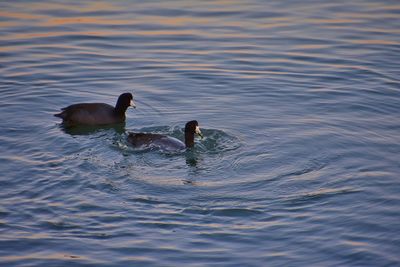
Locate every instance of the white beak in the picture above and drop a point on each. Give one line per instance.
(198, 132)
(132, 104)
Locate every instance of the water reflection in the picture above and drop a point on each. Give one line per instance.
(88, 129)
(192, 158)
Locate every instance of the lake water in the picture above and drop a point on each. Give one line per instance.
(299, 102)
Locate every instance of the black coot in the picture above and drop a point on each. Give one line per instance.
(164, 142)
(96, 113)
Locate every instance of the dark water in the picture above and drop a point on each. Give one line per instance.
(299, 102)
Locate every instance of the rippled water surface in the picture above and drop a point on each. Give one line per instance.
(299, 102)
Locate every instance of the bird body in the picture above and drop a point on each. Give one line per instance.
(165, 142)
(96, 113)
(158, 141)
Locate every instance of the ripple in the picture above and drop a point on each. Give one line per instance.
(231, 212)
(319, 195)
(299, 103)
(214, 141)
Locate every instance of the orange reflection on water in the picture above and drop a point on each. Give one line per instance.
(356, 243)
(20, 15)
(4, 24)
(71, 6)
(176, 21)
(85, 20)
(374, 42)
(331, 21)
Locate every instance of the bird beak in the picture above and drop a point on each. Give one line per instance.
(198, 132)
(132, 104)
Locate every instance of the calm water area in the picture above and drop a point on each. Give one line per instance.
(298, 101)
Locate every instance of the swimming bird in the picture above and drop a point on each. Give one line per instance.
(96, 113)
(164, 142)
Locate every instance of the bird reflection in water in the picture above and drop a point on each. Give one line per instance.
(119, 128)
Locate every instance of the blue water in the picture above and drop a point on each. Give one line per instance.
(299, 102)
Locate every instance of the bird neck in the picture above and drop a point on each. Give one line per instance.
(189, 139)
(120, 108)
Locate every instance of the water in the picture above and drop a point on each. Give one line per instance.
(299, 104)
